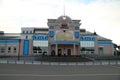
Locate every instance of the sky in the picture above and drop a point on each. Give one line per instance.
(102, 16)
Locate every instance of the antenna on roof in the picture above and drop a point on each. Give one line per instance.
(64, 8)
(94, 30)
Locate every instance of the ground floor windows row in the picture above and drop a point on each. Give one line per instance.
(40, 50)
(10, 49)
(2, 49)
(62, 52)
(87, 50)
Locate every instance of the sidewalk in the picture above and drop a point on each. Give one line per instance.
(100, 62)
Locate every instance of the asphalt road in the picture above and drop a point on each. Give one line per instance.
(53, 72)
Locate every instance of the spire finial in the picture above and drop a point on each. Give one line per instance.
(95, 32)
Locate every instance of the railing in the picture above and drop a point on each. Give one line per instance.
(100, 62)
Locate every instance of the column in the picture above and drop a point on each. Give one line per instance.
(79, 50)
(30, 47)
(49, 49)
(56, 49)
(74, 49)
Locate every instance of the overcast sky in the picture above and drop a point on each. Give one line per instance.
(103, 16)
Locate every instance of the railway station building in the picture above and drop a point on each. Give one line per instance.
(63, 36)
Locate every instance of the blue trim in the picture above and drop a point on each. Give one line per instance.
(9, 41)
(64, 42)
(34, 38)
(104, 42)
(87, 38)
(26, 47)
(40, 37)
(46, 38)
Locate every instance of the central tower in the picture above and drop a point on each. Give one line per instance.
(64, 36)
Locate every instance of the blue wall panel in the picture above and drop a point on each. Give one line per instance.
(26, 47)
(9, 41)
(104, 42)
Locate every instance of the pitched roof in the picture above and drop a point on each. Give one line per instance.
(9, 36)
(100, 38)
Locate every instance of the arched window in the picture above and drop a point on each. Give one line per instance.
(77, 34)
(51, 34)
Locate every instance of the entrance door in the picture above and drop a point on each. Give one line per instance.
(101, 53)
(59, 52)
(68, 52)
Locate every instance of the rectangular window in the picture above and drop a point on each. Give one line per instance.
(26, 32)
(77, 34)
(76, 28)
(9, 49)
(26, 37)
(14, 50)
(23, 32)
(87, 43)
(26, 47)
(81, 38)
(93, 38)
(51, 33)
(2, 50)
(30, 32)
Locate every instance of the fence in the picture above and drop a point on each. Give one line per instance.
(100, 62)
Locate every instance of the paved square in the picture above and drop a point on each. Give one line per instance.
(61, 72)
